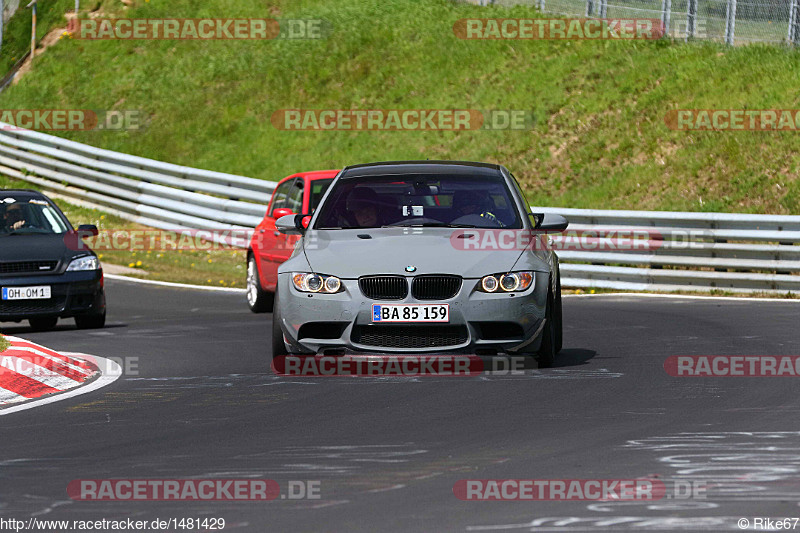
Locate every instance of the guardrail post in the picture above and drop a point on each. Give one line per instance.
(541, 5)
(691, 18)
(730, 21)
(794, 22)
(589, 8)
(666, 12)
(32, 5)
(603, 9)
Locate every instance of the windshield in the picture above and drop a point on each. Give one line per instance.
(419, 200)
(26, 216)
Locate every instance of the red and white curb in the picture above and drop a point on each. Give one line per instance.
(32, 375)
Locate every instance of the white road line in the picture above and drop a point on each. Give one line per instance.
(8, 397)
(682, 296)
(110, 372)
(175, 285)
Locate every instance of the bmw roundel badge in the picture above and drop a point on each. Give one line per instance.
(411, 268)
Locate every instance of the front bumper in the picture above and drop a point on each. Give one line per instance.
(480, 323)
(72, 294)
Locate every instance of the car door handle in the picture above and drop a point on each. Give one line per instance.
(276, 233)
(262, 230)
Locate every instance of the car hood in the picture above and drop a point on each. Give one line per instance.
(34, 248)
(350, 254)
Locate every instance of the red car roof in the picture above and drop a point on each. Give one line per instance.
(317, 174)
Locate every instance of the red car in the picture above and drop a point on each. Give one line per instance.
(296, 194)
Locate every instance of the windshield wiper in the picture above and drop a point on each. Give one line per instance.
(431, 225)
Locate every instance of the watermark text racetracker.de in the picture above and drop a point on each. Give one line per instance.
(733, 365)
(244, 490)
(406, 365)
(733, 119)
(402, 119)
(72, 119)
(558, 29)
(43, 366)
(577, 489)
(134, 240)
(198, 29)
(595, 239)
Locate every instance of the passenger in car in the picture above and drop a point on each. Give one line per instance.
(467, 203)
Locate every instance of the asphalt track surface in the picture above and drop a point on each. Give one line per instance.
(204, 404)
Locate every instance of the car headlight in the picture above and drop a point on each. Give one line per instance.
(87, 262)
(305, 282)
(509, 282)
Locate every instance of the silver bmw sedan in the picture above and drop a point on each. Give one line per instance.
(420, 257)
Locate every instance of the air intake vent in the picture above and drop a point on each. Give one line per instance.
(409, 336)
(17, 308)
(435, 287)
(27, 267)
(384, 287)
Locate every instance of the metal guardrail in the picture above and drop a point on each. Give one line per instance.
(679, 251)
(153, 193)
(684, 250)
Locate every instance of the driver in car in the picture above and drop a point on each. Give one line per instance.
(362, 205)
(474, 203)
(13, 218)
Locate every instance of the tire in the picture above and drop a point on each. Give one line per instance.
(91, 321)
(43, 323)
(558, 317)
(547, 351)
(278, 346)
(258, 300)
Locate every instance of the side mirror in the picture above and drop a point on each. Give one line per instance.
(551, 223)
(291, 224)
(88, 230)
(281, 212)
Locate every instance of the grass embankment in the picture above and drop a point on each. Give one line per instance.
(3, 344)
(600, 139)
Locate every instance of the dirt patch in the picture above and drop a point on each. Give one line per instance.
(49, 40)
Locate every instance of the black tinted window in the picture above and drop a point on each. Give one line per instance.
(420, 200)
